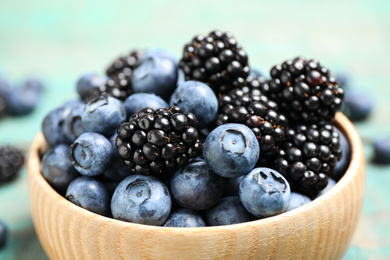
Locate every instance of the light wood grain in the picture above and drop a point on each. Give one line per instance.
(321, 229)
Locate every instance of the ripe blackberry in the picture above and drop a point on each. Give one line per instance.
(309, 156)
(156, 141)
(120, 73)
(305, 90)
(257, 112)
(11, 161)
(217, 60)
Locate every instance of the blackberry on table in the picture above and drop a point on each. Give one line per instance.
(309, 156)
(157, 141)
(216, 59)
(11, 161)
(305, 90)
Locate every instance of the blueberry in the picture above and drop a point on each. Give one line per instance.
(155, 75)
(256, 72)
(73, 126)
(330, 185)
(228, 211)
(358, 104)
(22, 101)
(91, 154)
(3, 234)
(196, 187)
(57, 169)
(185, 218)
(343, 163)
(264, 192)
(90, 194)
(232, 186)
(297, 200)
(89, 81)
(197, 98)
(382, 151)
(342, 77)
(53, 126)
(34, 83)
(181, 77)
(141, 199)
(103, 115)
(161, 53)
(231, 150)
(138, 101)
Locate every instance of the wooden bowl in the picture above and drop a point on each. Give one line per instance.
(321, 229)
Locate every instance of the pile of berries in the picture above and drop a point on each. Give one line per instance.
(204, 140)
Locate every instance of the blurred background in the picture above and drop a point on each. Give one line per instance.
(60, 40)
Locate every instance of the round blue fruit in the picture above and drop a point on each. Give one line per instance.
(89, 81)
(141, 199)
(358, 104)
(56, 168)
(53, 126)
(185, 218)
(196, 187)
(382, 151)
(161, 53)
(331, 184)
(103, 115)
(91, 154)
(197, 98)
(23, 100)
(138, 101)
(264, 192)
(228, 211)
(231, 150)
(297, 200)
(73, 126)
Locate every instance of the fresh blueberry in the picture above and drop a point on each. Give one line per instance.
(141, 199)
(161, 53)
(118, 169)
(57, 169)
(228, 211)
(103, 115)
(343, 163)
(232, 186)
(256, 72)
(382, 151)
(342, 77)
(3, 106)
(73, 126)
(297, 200)
(196, 187)
(181, 77)
(137, 101)
(197, 98)
(23, 100)
(330, 185)
(185, 218)
(53, 126)
(91, 154)
(89, 81)
(155, 75)
(231, 150)
(90, 194)
(358, 104)
(3, 234)
(34, 83)
(264, 192)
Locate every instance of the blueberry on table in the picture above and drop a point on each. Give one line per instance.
(56, 168)
(3, 234)
(138, 101)
(197, 98)
(264, 192)
(330, 185)
(382, 151)
(297, 200)
(358, 104)
(343, 163)
(141, 199)
(103, 115)
(88, 81)
(195, 186)
(90, 194)
(228, 211)
(91, 154)
(185, 218)
(231, 150)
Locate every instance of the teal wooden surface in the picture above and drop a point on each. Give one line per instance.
(62, 39)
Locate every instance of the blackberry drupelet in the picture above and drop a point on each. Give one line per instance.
(309, 156)
(156, 141)
(120, 73)
(247, 106)
(217, 60)
(306, 91)
(11, 161)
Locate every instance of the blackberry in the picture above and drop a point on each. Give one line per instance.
(11, 161)
(247, 106)
(157, 141)
(305, 90)
(120, 73)
(217, 60)
(309, 156)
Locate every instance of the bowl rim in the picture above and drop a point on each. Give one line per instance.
(341, 122)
